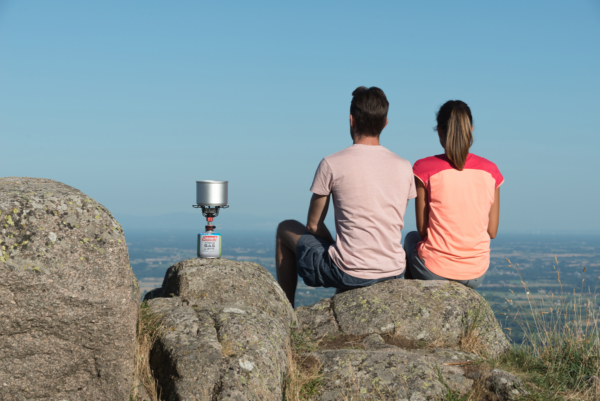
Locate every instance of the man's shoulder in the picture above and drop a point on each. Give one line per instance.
(340, 154)
(351, 152)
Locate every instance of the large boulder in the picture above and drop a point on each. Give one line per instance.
(440, 313)
(68, 303)
(402, 339)
(225, 328)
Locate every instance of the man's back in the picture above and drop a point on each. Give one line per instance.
(371, 187)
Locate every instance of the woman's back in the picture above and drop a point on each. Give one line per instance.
(457, 205)
(457, 244)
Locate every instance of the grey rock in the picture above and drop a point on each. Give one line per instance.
(221, 282)
(434, 312)
(68, 297)
(375, 342)
(505, 385)
(318, 318)
(224, 332)
(389, 374)
(447, 355)
(187, 355)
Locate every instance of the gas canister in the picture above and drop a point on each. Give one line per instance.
(209, 245)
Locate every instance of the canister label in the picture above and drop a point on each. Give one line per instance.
(209, 245)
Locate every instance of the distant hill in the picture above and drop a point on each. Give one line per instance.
(228, 220)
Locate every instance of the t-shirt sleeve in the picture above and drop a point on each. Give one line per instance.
(412, 192)
(498, 177)
(421, 172)
(323, 181)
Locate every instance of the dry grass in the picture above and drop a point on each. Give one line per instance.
(560, 354)
(147, 329)
(476, 323)
(304, 374)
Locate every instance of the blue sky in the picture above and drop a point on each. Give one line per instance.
(132, 102)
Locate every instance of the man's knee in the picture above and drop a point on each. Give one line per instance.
(290, 226)
(289, 232)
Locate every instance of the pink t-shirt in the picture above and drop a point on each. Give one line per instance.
(457, 245)
(371, 187)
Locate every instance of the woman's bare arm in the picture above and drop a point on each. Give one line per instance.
(421, 208)
(494, 215)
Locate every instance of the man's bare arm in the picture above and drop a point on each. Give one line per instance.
(319, 204)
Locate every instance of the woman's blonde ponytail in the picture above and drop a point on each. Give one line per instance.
(455, 125)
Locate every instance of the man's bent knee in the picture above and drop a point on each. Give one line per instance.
(291, 226)
(289, 232)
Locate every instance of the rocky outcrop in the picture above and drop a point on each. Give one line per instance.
(68, 297)
(439, 313)
(225, 328)
(433, 332)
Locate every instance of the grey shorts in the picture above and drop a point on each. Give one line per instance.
(316, 268)
(416, 268)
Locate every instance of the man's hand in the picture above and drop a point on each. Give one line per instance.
(319, 204)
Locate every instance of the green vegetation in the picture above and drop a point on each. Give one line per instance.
(304, 376)
(558, 353)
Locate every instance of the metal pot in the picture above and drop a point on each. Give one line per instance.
(211, 193)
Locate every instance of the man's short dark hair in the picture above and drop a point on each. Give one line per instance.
(369, 108)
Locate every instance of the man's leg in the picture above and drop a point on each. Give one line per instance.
(288, 234)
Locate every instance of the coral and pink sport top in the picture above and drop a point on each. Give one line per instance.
(457, 245)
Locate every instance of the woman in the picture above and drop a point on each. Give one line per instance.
(457, 206)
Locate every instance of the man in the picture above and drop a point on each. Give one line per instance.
(371, 187)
